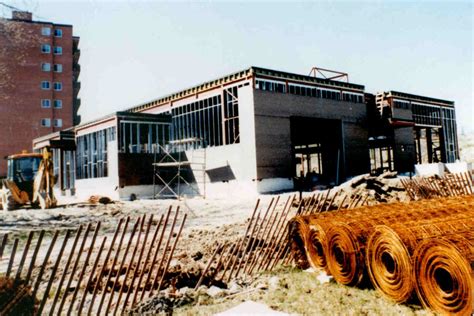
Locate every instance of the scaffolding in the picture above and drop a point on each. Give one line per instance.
(174, 169)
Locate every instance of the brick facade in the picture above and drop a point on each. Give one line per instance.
(21, 93)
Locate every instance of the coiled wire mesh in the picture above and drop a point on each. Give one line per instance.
(378, 243)
(444, 273)
(390, 248)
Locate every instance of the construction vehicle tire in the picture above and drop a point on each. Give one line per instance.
(8, 202)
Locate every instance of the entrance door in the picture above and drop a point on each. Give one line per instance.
(316, 146)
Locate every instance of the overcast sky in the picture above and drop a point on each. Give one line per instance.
(135, 51)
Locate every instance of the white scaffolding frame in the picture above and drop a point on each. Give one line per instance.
(168, 163)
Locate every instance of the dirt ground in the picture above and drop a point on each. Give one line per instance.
(211, 221)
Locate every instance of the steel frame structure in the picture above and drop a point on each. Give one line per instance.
(169, 162)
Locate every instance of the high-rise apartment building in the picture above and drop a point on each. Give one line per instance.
(38, 81)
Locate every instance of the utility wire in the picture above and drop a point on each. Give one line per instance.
(9, 6)
(17, 9)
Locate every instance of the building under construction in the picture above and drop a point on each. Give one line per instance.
(253, 131)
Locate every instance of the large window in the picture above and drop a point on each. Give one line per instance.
(426, 114)
(91, 154)
(449, 133)
(143, 137)
(401, 104)
(201, 120)
(231, 116)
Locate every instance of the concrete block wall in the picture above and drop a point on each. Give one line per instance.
(273, 136)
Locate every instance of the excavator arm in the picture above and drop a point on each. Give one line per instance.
(43, 192)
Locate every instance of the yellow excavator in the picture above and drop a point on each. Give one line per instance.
(30, 180)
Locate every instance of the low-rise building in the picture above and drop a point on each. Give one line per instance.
(251, 131)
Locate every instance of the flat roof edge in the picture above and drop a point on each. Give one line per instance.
(421, 98)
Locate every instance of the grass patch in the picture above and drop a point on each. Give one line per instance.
(301, 293)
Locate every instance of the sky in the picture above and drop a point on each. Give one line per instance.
(137, 51)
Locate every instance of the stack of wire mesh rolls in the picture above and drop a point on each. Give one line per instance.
(422, 249)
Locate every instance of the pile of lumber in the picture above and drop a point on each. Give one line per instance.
(384, 188)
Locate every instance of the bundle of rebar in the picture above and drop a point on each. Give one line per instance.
(378, 244)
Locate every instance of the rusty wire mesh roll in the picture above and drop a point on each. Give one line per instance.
(389, 251)
(445, 278)
(346, 242)
(317, 245)
(299, 236)
(389, 263)
(344, 254)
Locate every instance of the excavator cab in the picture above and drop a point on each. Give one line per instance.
(29, 180)
(22, 170)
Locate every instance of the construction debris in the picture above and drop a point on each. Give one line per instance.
(385, 188)
(96, 199)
